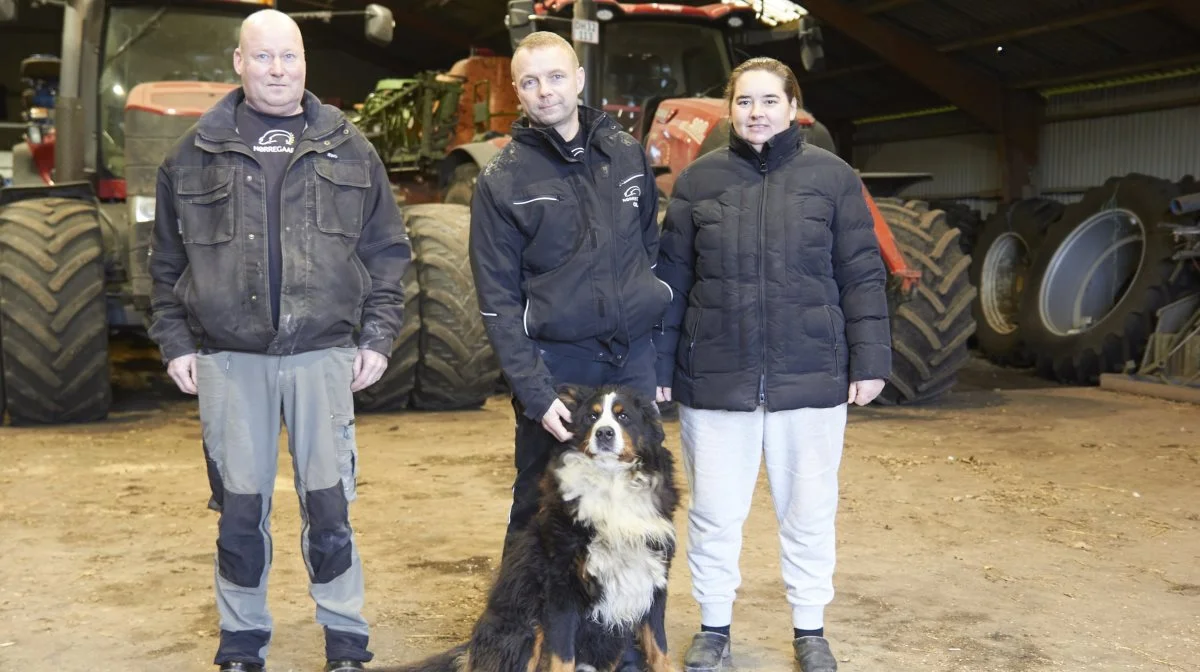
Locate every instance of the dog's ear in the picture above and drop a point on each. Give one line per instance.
(572, 395)
(653, 417)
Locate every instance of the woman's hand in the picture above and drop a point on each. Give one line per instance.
(864, 392)
(663, 395)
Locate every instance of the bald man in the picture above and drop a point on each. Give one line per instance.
(277, 258)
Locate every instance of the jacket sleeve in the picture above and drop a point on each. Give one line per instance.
(384, 249)
(496, 248)
(168, 261)
(676, 262)
(861, 279)
(648, 204)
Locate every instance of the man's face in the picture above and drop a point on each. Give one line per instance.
(270, 60)
(548, 84)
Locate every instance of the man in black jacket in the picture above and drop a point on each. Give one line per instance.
(277, 257)
(563, 234)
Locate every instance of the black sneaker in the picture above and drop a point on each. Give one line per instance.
(709, 652)
(814, 655)
(241, 667)
(343, 666)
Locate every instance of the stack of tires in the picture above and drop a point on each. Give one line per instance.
(1074, 290)
(442, 359)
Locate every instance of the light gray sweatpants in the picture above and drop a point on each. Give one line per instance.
(242, 398)
(722, 452)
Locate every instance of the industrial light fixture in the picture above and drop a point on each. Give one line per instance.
(778, 12)
(604, 14)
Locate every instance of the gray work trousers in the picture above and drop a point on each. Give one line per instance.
(242, 399)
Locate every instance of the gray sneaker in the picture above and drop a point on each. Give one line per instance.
(814, 655)
(709, 652)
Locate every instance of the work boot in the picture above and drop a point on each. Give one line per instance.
(709, 652)
(814, 655)
(241, 667)
(344, 666)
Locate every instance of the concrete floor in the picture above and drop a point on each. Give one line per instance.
(1017, 525)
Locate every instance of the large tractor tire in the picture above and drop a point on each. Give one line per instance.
(461, 188)
(963, 217)
(931, 325)
(1000, 271)
(52, 312)
(1102, 272)
(457, 368)
(391, 392)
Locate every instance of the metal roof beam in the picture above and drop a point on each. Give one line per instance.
(1186, 11)
(1014, 115)
(1063, 22)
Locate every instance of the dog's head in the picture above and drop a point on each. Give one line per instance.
(613, 422)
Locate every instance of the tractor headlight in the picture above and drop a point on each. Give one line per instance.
(143, 208)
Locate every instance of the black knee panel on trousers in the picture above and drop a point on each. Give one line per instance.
(329, 549)
(241, 548)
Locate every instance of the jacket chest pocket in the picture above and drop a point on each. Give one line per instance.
(204, 204)
(341, 195)
(549, 215)
(809, 238)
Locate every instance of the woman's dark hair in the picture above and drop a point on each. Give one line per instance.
(790, 85)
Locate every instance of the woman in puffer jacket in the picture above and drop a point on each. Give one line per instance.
(778, 323)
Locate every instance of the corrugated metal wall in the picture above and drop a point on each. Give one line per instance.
(1083, 153)
(1076, 153)
(961, 164)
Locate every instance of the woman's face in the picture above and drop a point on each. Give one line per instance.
(760, 107)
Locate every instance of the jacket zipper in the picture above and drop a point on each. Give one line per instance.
(833, 335)
(692, 344)
(762, 285)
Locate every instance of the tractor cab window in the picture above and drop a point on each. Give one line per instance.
(162, 43)
(645, 62)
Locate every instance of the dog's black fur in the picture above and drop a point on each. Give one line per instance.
(547, 609)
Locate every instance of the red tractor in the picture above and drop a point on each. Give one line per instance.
(75, 225)
(659, 70)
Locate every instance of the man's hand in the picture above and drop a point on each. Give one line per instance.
(663, 395)
(182, 370)
(864, 391)
(553, 420)
(368, 369)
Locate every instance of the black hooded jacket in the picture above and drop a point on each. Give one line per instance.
(562, 251)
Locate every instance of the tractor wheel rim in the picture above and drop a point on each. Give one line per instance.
(1004, 270)
(1091, 271)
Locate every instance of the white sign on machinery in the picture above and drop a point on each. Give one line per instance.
(583, 30)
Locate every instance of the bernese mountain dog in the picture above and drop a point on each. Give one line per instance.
(591, 568)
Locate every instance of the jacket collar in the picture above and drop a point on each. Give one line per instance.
(219, 123)
(775, 152)
(595, 124)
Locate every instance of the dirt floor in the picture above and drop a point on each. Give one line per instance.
(1016, 526)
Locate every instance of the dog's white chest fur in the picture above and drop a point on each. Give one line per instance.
(619, 504)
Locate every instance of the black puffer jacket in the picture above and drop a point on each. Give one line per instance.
(779, 285)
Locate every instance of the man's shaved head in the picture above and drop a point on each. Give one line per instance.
(271, 20)
(270, 59)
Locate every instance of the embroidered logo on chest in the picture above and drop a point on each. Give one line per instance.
(633, 192)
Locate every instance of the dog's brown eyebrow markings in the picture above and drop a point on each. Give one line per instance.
(597, 408)
(618, 408)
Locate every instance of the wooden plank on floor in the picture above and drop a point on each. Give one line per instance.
(1122, 383)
